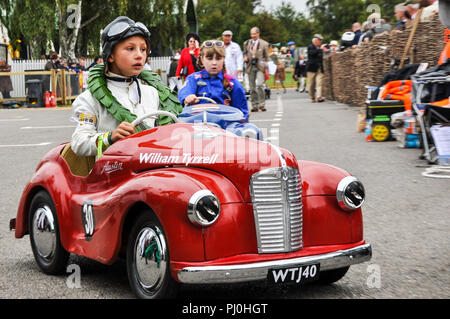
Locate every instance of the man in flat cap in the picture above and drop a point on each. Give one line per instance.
(234, 60)
(314, 69)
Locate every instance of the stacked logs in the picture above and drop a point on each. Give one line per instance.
(348, 72)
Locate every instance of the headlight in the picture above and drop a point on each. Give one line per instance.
(249, 133)
(350, 193)
(203, 208)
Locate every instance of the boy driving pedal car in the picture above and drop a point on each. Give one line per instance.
(213, 82)
(119, 91)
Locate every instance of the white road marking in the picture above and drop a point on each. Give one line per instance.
(276, 124)
(46, 127)
(251, 121)
(13, 120)
(26, 145)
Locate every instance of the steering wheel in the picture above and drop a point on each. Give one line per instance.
(206, 99)
(155, 115)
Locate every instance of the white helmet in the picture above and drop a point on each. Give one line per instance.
(348, 36)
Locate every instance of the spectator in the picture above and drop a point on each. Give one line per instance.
(347, 40)
(280, 74)
(401, 14)
(314, 69)
(53, 63)
(413, 9)
(97, 60)
(300, 73)
(5, 81)
(294, 51)
(256, 55)
(356, 29)
(188, 57)
(334, 46)
(81, 65)
(64, 64)
(234, 60)
(73, 66)
(147, 65)
(174, 81)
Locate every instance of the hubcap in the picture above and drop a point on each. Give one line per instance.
(44, 232)
(150, 258)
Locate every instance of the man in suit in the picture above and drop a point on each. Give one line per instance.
(256, 56)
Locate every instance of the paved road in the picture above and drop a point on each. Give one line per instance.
(405, 215)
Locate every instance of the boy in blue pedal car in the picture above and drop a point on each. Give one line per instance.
(212, 82)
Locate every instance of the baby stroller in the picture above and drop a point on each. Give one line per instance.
(431, 107)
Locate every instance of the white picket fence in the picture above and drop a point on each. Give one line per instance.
(18, 81)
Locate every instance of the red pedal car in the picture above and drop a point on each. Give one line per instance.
(192, 203)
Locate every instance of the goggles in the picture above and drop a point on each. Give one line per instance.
(120, 29)
(212, 43)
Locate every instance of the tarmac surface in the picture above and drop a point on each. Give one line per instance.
(406, 215)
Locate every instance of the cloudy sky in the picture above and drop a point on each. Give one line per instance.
(299, 5)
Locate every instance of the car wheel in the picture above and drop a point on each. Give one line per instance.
(330, 276)
(48, 252)
(148, 262)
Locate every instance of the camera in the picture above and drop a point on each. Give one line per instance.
(254, 61)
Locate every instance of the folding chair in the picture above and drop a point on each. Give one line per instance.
(428, 114)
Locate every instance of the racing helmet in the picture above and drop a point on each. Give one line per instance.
(120, 29)
(444, 12)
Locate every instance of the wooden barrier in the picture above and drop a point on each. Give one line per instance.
(348, 72)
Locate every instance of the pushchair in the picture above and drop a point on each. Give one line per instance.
(431, 107)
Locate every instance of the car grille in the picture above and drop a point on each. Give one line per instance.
(278, 209)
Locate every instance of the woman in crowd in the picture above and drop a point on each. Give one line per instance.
(188, 58)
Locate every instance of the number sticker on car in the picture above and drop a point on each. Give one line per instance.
(299, 275)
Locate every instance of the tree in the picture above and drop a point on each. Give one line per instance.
(331, 18)
(214, 17)
(69, 22)
(299, 28)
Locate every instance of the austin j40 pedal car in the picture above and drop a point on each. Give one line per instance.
(193, 203)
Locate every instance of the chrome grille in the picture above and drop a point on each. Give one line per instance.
(278, 209)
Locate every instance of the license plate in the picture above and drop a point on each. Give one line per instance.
(299, 275)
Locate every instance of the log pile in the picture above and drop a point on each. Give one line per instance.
(348, 72)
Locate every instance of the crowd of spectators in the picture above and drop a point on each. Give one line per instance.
(405, 13)
(78, 65)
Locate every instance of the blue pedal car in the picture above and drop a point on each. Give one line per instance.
(226, 117)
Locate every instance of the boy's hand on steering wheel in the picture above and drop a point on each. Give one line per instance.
(123, 130)
(191, 99)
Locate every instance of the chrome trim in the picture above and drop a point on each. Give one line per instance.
(280, 154)
(44, 232)
(259, 270)
(278, 209)
(192, 206)
(342, 200)
(150, 271)
(249, 133)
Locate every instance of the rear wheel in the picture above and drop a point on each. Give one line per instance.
(48, 252)
(331, 276)
(148, 262)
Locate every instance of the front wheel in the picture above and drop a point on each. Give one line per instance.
(148, 263)
(48, 252)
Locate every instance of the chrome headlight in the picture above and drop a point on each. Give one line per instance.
(203, 208)
(350, 193)
(249, 133)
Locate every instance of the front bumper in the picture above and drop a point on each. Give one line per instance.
(259, 270)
